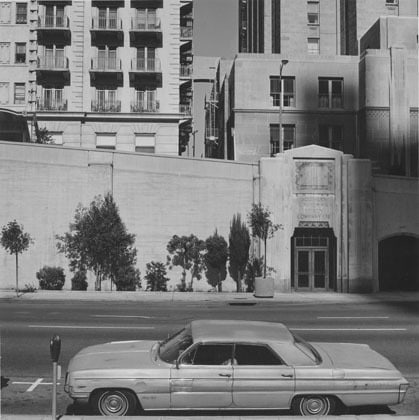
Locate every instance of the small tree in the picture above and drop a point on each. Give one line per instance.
(216, 260)
(239, 244)
(186, 252)
(98, 240)
(51, 278)
(14, 240)
(156, 277)
(262, 226)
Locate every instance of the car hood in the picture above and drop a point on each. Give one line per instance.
(354, 356)
(114, 355)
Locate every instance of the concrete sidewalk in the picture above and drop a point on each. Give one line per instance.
(232, 297)
(232, 417)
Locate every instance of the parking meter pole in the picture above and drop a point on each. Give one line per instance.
(55, 348)
(54, 390)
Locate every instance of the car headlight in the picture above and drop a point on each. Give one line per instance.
(402, 391)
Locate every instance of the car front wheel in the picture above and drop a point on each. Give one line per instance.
(114, 402)
(313, 405)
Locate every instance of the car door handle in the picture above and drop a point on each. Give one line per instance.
(287, 375)
(225, 375)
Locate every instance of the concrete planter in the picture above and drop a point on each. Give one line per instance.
(264, 287)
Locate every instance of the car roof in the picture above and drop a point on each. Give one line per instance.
(240, 331)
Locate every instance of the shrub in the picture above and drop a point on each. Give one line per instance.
(128, 279)
(156, 277)
(29, 288)
(79, 280)
(51, 278)
(254, 269)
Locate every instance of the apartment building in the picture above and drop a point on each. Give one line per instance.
(98, 73)
(365, 105)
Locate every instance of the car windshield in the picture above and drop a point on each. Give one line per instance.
(307, 349)
(175, 345)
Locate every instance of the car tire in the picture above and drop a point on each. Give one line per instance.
(114, 402)
(313, 405)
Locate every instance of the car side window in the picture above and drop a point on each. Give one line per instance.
(247, 354)
(209, 355)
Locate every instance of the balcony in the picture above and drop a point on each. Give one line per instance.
(146, 73)
(185, 109)
(148, 106)
(186, 33)
(54, 28)
(146, 32)
(106, 106)
(106, 70)
(52, 69)
(185, 71)
(46, 104)
(147, 4)
(107, 31)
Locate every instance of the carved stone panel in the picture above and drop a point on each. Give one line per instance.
(314, 177)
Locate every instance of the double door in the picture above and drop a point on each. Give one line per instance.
(311, 268)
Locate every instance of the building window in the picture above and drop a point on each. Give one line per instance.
(107, 58)
(313, 46)
(146, 19)
(288, 85)
(4, 52)
(145, 101)
(52, 100)
(330, 93)
(392, 2)
(106, 141)
(288, 137)
(54, 16)
(19, 93)
(108, 18)
(5, 14)
(20, 55)
(4, 93)
(21, 13)
(313, 13)
(106, 101)
(145, 142)
(331, 136)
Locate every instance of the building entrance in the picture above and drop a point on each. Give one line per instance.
(313, 259)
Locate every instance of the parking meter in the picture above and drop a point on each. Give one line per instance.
(54, 348)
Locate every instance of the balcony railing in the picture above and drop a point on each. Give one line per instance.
(149, 106)
(53, 22)
(145, 25)
(51, 105)
(185, 109)
(55, 62)
(106, 106)
(185, 70)
(106, 24)
(106, 64)
(149, 65)
(186, 32)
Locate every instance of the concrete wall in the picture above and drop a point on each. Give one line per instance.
(158, 197)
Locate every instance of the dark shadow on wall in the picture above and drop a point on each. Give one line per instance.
(398, 263)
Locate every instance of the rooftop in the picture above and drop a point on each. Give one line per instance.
(236, 330)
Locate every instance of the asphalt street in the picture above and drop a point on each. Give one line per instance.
(392, 328)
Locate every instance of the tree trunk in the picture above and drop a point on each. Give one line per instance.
(239, 281)
(17, 275)
(264, 259)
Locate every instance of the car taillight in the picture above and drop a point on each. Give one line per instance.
(402, 391)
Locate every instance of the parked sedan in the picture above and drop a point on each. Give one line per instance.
(232, 365)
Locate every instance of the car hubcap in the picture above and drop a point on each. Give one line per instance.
(315, 406)
(113, 404)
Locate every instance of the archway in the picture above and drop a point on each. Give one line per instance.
(398, 263)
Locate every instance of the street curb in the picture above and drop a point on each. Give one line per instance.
(247, 417)
(231, 297)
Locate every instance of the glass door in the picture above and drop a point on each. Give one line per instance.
(311, 268)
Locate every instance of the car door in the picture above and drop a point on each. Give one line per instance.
(260, 378)
(203, 377)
